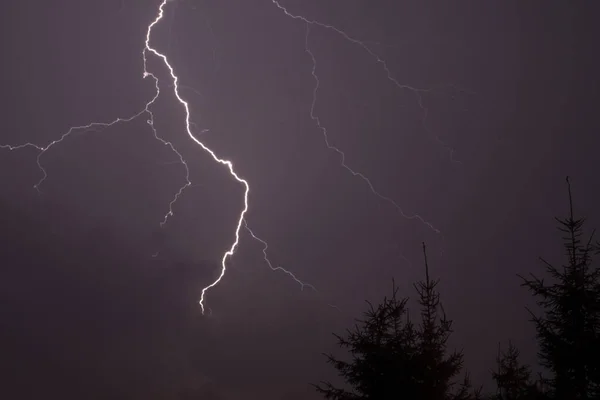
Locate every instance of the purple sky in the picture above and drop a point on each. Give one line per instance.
(87, 311)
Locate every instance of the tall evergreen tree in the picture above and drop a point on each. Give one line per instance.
(382, 347)
(568, 330)
(513, 379)
(391, 358)
(436, 368)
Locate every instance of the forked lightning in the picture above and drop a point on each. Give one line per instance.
(148, 49)
(176, 86)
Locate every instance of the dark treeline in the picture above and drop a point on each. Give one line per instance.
(396, 354)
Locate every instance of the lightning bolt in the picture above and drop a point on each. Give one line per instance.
(43, 149)
(95, 125)
(176, 87)
(278, 268)
(226, 163)
(418, 93)
(148, 49)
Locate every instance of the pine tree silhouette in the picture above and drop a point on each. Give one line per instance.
(568, 331)
(382, 347)
(391, 358)
(513, 379)
(436, 369)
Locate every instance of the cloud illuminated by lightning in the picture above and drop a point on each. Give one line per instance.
(418, 93)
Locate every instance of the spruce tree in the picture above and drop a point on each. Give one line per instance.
(568, 330)
(513, 379)
(391, 358)
(436, 368)
(382, 347)
(466, 391)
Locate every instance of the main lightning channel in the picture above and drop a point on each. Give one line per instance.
(224, 162)
(150, 121)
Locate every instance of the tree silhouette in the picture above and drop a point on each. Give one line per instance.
(513, 379)
(382, 347)
(568, 331)
(391, 358)
(466, 390)
(436, 369)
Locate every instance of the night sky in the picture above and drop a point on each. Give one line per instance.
(98, 301)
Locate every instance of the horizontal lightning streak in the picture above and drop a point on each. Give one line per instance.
(43, 149)
(278, 268)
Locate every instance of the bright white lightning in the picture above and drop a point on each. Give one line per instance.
(227, 163)
(188, 125)
(43, 149)
(390, 77)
